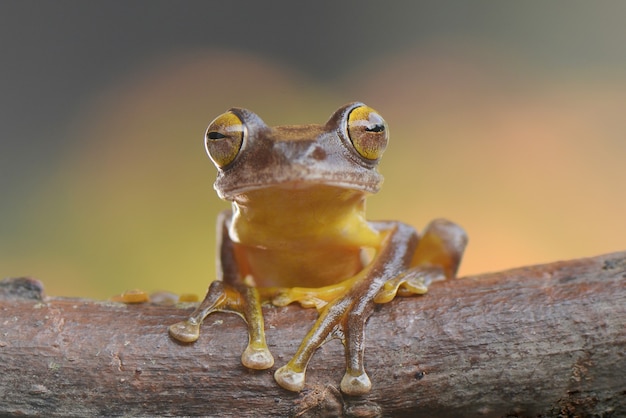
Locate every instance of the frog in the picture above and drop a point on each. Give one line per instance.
(297, 233)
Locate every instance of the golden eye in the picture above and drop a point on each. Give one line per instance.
(368, 132)
(223, 138)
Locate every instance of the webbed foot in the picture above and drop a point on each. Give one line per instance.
(308, 297)
(413, 282)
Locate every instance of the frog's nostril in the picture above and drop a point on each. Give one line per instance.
(318, 153)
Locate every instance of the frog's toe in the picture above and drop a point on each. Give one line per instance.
(132, 297)
(185, 331)
(413, 282)
(290, 379)
(310, 297)
(257, 358)
(306, 300)
(355, 384)
(313, 302)
(282, 299)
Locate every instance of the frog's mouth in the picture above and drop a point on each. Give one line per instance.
(367, 184)
(298, 197)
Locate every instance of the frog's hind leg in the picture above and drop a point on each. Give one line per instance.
(437, 257)
(441, 245)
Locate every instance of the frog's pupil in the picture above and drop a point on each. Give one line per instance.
(215, 135)
(375, 128)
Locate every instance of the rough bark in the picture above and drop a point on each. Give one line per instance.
(546, 340)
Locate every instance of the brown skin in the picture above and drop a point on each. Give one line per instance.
(297, 233)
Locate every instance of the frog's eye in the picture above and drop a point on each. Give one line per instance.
(368, 132)
(223, 138)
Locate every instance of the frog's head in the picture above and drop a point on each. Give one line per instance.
(343, 153)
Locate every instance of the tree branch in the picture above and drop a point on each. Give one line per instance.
(546, 340)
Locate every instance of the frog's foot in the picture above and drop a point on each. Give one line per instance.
(412, 282)
(308, 297)
(344, 318)
(227, 299)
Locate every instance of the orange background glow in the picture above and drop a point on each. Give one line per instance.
(525, 150)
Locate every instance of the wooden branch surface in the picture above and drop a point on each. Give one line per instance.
(546, 340)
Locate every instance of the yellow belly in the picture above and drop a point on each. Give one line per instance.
(299, 267)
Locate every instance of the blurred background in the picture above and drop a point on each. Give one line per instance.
(506, 117)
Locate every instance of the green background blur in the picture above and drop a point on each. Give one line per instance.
(507, 117)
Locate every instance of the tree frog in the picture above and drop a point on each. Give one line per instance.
(297, 232)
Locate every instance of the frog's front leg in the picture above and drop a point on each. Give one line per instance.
(345, 317)
(229, 293)
(402, 258)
